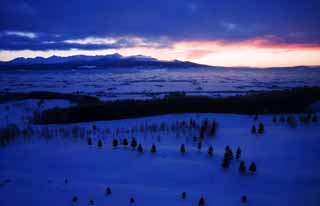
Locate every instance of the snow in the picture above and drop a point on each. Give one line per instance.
(146, 83)
(33, 170)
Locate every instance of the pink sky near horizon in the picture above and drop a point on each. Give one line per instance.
(258, 52)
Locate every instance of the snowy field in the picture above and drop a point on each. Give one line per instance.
(55, 163)
(146, 83)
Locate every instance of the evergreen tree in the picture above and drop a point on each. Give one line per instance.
(182, 149)
(115, 143)
(244, 199)
(94, 127)
(108, 191)
(253, 129)
(194, 138)
(184, 195)
(100, 143)
(74, 199)
(201, 201)
(213, 128)
(274, 119)
(253, 168)
(133, 143)
(131, 200)
(153, 149)
(210, 151)
(91, 202)
(202, 130)
(242, 167)
(89, 141)
(125, 142)
(229, 154)
(225, 163)
(238, 153)
(140, 149)
(199, 146)
(261, 128)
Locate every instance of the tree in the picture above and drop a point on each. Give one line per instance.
(238, 153)
(253, 129)
(108, 191)
(210, 151)
(153, 149)
(261, 128)
(213, 128)
(199, 146)
(182, 149)
(91, 202)
(133, 143)
(140, 149)
(74, 199)
(125, 142)
(242, 167)
(244, 199)
(229, 154)
(202, 130)
(184, 195)
(94, 127)
(201, 201)
(274, 119)
(131, 200)
(253, 168)
(225, 163)
(115, 143)
(89, 141)
(100, 143)
(255, 118)
(194, 138)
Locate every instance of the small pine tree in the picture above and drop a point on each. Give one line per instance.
(274, 119)
(100, 143)
(253, 168)
(89, 141)
(213, 128)
(133, 143)
(74, 199)
(115, 143)
(182, 149)
(199, 146)
(242, 167)
(244, 199)
(108, 191)
(125, 142)
(238, 153)
(153, 149)
(184, 195)
(253, 129)
(225, 163)
(195, 138)
(229, 154)
(140, 149)
(201, 201)
(91, 202)
(210, 151)
(202, 130)
(94, 127)
(261, 128)
(131, 200)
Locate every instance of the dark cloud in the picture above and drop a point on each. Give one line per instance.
(292, 21)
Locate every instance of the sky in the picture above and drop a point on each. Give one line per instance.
(257, 33)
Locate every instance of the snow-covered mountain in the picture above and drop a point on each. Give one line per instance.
(111, 60)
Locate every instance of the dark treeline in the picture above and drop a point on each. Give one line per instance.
(77, 98)
(295, 100)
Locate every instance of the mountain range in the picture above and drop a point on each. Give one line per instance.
(100, 61)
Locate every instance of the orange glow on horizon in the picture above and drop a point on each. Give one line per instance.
(258, 52)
